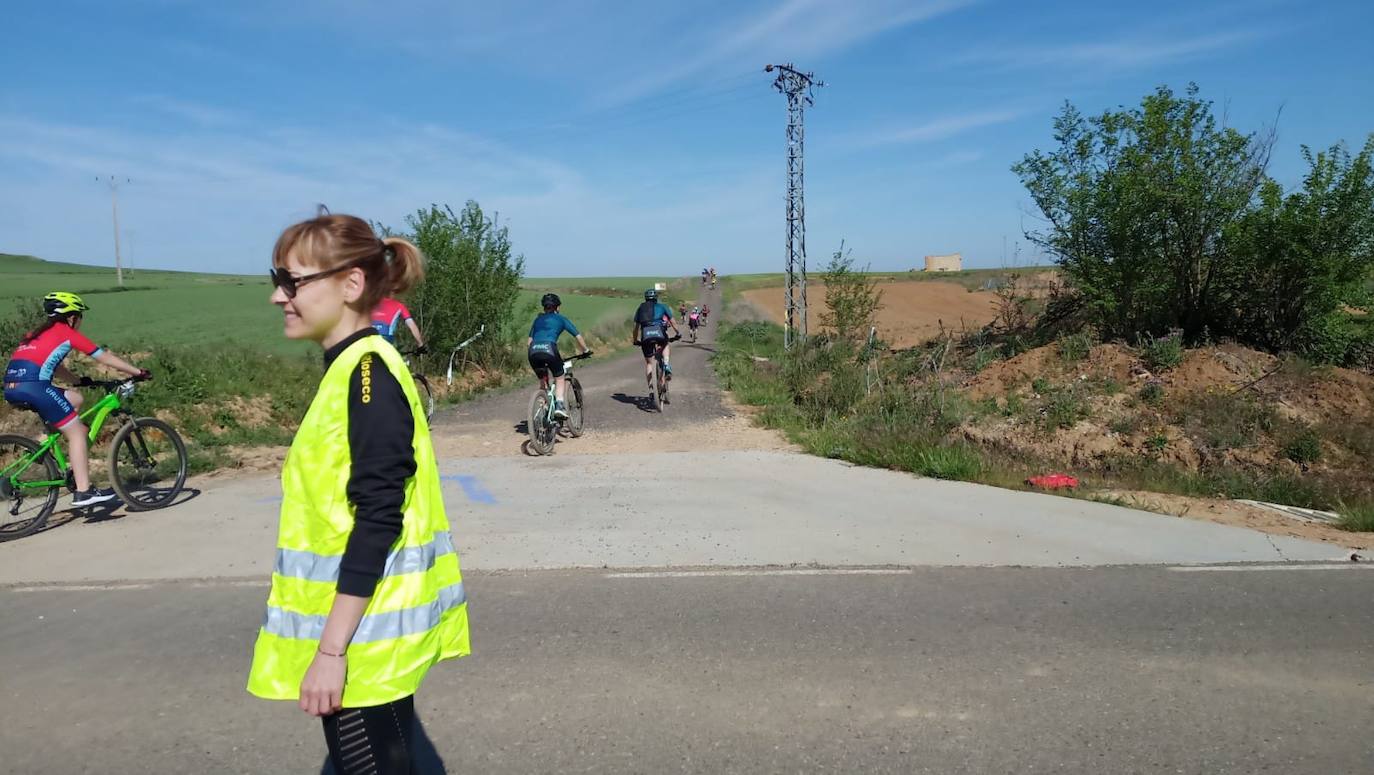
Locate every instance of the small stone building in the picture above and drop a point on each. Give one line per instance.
(953, 262)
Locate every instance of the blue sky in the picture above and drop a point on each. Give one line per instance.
(613, 137)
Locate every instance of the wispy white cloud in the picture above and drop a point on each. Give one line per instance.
(212, 199)
(1118, 54)
(792, 29)
(930, 130)
(188, 110)
(956, 159)
(608, 52)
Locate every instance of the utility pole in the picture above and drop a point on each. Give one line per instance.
(797, 87)
(114, 212)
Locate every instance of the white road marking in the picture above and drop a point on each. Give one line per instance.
(121, 586)
(688, 574)
(1291, 566)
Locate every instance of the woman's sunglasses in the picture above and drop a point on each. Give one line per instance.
(290, 284)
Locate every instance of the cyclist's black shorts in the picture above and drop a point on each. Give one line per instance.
(647, 346)
(544, 358)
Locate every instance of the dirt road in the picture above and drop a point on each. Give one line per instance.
(618, 418)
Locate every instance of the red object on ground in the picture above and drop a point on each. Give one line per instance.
(1053, 481)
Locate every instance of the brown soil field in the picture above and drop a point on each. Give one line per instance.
(912, 312)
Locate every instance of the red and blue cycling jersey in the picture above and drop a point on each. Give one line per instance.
(28, 377)
(388, 316)
(37, 359)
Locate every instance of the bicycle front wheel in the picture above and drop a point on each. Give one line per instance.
(147, 464)
(576, 420)
(426, 396)
(542, 429)
(29, 487)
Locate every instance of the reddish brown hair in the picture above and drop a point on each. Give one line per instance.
(391, 265)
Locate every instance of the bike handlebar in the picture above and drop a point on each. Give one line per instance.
(111, 385)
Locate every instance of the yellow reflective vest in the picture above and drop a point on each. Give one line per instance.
(418, 614)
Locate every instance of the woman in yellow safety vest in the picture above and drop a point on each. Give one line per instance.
(366, 590)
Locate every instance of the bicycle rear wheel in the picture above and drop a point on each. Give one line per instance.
(575, 417)
(25, 508)
(147, 464)
(426, 395)
(542, 429)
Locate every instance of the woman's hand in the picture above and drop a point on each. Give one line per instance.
(322, 687)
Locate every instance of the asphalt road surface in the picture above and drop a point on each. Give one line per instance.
(1104, 670)
(644, 604)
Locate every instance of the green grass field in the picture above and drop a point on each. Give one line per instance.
(193, 308)
(156, 306)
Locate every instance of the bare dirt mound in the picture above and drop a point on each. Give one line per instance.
(912, 311)
(1222, 406)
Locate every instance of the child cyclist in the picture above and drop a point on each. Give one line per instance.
(28, 382)
(387, 317)
(543, 348)
(366, 589)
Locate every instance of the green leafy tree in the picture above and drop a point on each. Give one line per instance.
(851, 299)
(1136, 202)
(1303, 259)
(472, 279)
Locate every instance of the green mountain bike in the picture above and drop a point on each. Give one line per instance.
(147, 465)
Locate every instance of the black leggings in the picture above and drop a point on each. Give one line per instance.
(371, 741)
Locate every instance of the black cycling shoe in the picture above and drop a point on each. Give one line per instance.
(92, 496)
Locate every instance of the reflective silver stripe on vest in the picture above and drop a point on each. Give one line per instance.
(297, 564)
(373, 627)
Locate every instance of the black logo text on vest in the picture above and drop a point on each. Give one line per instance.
(365, 365)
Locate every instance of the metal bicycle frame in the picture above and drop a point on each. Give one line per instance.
(94, 418)
(551, 391)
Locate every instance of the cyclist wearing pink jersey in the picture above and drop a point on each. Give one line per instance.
(387, 317)
(29, 375)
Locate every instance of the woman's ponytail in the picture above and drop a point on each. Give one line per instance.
(405, 265)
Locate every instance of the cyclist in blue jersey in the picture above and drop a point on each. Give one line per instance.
(543, 347)
(652, 321)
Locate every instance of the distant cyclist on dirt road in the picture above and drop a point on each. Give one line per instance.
(543, 347)
(652, 321)
(29, 375)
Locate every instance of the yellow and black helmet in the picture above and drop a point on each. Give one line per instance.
(61, 304)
